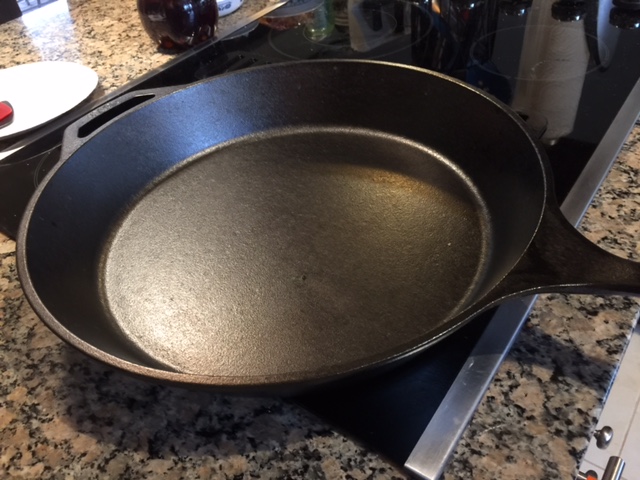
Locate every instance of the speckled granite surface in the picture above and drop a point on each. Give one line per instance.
(105, 36)
(65, 416)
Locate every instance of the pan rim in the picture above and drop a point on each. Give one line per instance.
(280, 381)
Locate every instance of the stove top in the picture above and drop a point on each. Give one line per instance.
(570, 69)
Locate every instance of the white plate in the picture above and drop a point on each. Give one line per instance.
(42, 91)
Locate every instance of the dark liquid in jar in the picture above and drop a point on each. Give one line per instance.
(178, 24)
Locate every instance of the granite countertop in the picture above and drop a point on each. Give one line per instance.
(63, 415)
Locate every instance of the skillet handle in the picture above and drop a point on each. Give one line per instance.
(79, 132)
(561, 260)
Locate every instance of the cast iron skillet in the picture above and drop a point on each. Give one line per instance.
(282, 227)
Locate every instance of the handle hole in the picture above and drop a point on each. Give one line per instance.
(97, 122)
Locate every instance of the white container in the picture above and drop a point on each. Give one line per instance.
(225, 7)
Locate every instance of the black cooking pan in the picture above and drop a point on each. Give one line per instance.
(287, 226)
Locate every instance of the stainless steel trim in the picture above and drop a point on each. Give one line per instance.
(614, 469)
(439, 440)
(585, 188)
(437, 443)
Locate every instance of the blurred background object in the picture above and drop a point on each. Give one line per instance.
(9, 9)
(178, 24)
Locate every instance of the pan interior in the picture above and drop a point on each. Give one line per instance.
(293, 251)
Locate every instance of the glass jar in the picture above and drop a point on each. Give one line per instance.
(178, 24)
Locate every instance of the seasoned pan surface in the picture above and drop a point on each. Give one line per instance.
(293, 252)
(341, 217)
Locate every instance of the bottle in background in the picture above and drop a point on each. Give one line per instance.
(178, 24)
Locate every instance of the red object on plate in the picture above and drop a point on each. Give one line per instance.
(6, 113)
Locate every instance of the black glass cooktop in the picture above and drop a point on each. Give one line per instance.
(567, 66)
